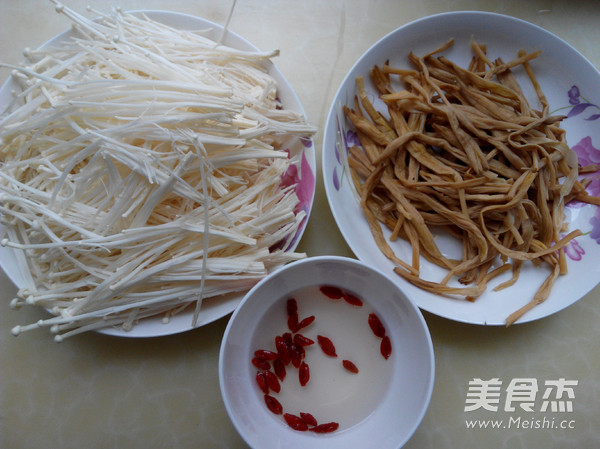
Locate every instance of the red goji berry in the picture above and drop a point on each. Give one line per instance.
(298, 349)
(261, 381)
(292, 307)
(283, 350)
(305, 322)
(273, 404)
(287, 337)
(279, 369)
(301, 340)
(326, 427)
(385, 347)
(303, 373)
(326, 345)
(272, 381)
(376, 325)
(331, 292)
(293, 323)
(295, 422)
(296, 354)
(265, 354)
(261, 364)
(350, 366)
(353, 300)
(308, 419)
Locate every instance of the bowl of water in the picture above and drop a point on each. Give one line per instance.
(326, 353)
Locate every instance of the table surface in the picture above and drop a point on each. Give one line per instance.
(98, 391)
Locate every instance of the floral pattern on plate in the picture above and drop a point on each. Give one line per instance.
(304, 181)
(587, 154)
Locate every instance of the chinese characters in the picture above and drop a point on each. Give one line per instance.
(521, 394)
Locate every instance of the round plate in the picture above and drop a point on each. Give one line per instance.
(212, 308)
(572, 86)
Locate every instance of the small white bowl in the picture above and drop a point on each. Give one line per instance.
(379, 407)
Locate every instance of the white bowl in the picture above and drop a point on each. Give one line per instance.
(380, 407)
(558, 69)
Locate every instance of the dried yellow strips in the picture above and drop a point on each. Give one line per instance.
(461, 149)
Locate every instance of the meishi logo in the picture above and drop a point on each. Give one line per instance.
(521, 395)
(557, 395)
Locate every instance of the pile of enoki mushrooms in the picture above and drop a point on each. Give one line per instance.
(461, 149)
(143, 170)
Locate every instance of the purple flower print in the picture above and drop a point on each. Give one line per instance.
(306, 141)
(351, 139)
(304, 184)
(347, 139)
(304, 188)
(579, 106)
(595, 222)
(588, 154)
(574, 95)
(290, 177)
(336, 179)
(574, 251)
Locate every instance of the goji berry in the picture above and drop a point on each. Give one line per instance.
(326, 427)
(303, 373)
(292, 307)
(272, 381)
(287, 337)
(296, 355)
(385, 347)
(293, 323)
(301, 350)
(352, 300)
(331, 292)
(265, 354)
(350, 366)
(279, 369)
(376, 325)
(308, 419)
(261, 364)
(305, 322)
(261, 381)
(295, 422)
(273, 404)
(327, 346)
(283, 350)
(301, 340)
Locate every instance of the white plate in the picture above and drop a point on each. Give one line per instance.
(558, 69)
(212, 308)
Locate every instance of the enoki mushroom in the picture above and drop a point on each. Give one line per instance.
(141, 173)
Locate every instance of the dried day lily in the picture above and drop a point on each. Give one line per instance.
(461, 149)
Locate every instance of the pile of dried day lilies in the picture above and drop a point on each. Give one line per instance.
(461, 149)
